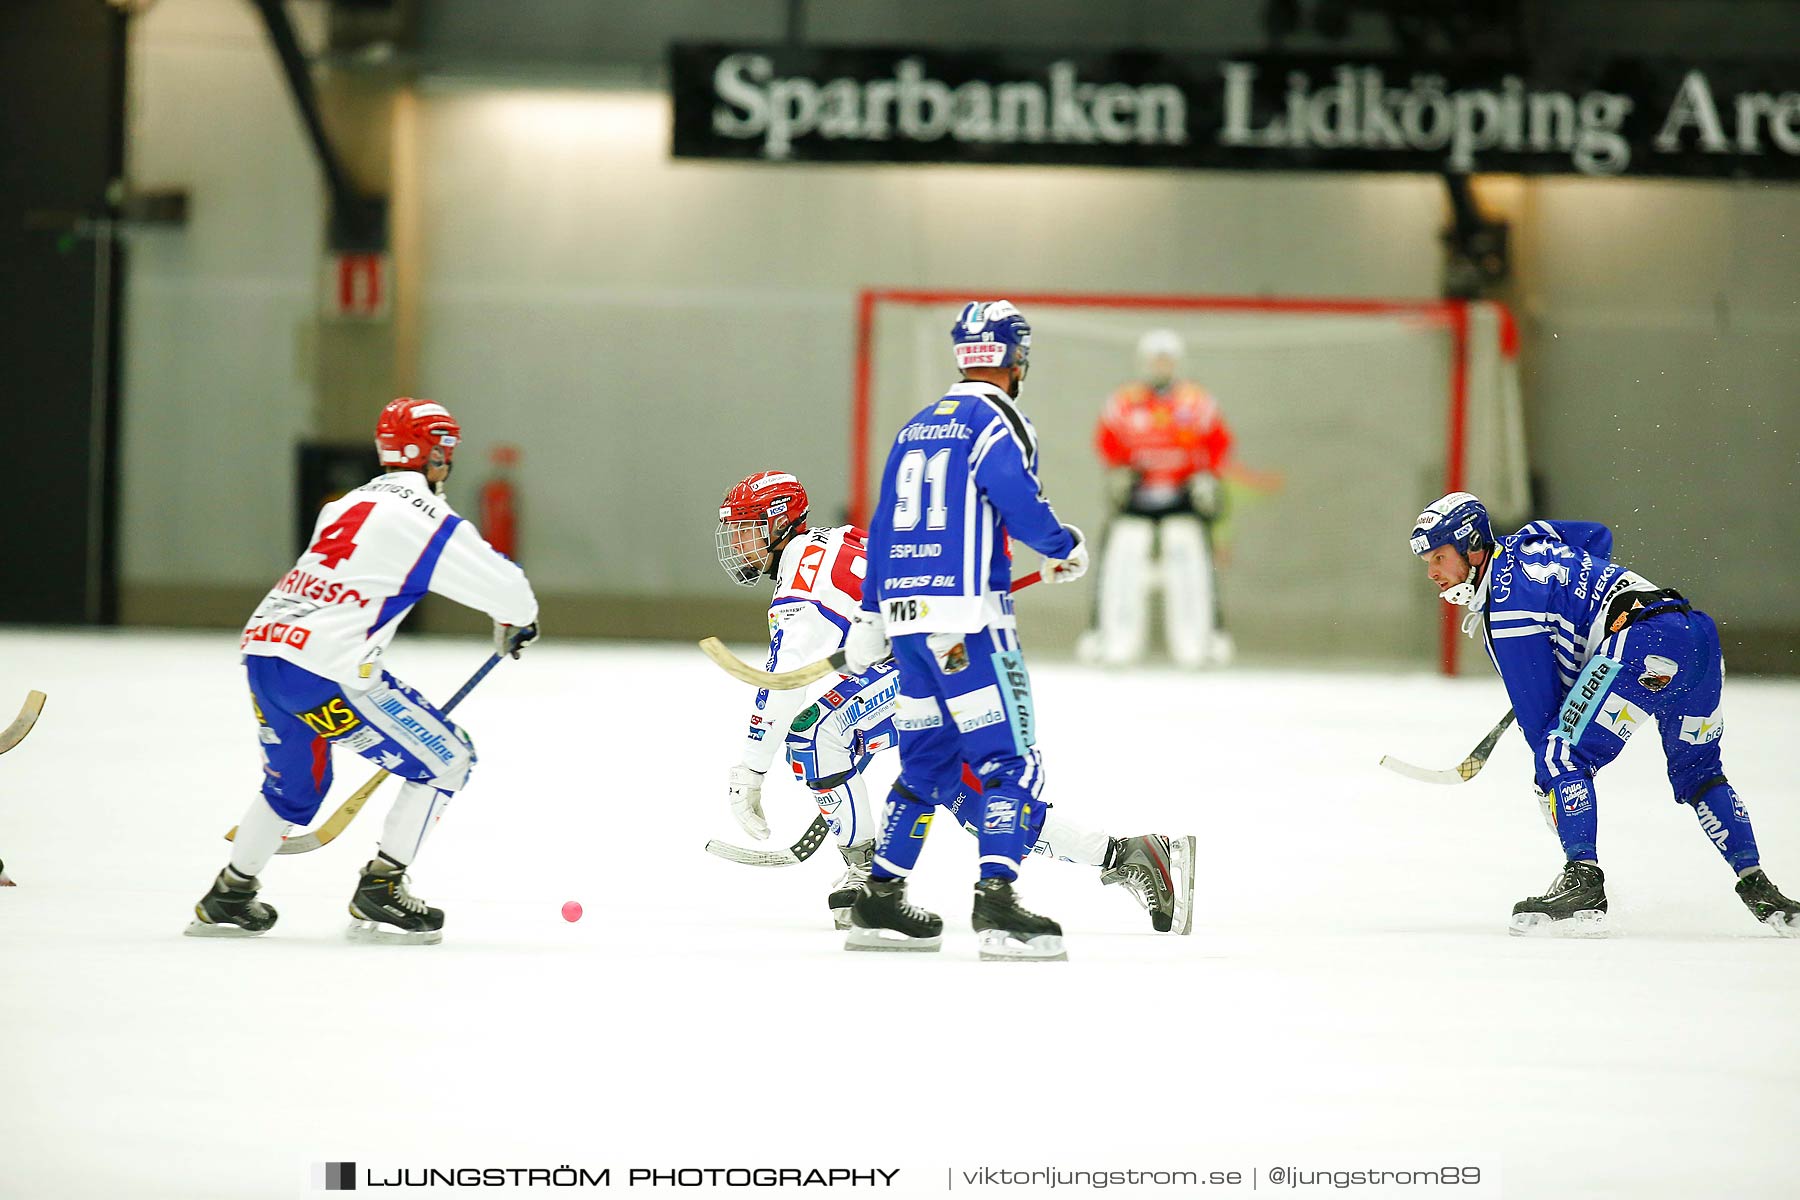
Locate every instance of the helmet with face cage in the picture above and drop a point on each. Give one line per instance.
(756, 518)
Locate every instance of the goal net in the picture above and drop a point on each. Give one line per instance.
(1367, 410)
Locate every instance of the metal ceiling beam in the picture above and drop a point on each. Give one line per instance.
(358, 221)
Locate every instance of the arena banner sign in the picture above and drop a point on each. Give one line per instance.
(1611, 117)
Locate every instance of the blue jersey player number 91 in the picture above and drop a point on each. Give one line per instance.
(960, 480)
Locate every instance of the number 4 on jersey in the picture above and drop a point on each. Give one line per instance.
(337, 541)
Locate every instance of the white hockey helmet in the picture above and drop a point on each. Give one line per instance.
(1160, 354)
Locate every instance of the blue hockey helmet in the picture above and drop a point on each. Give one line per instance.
(1460, 520)
(991, 333)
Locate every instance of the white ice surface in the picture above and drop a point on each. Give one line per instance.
(1349, 995)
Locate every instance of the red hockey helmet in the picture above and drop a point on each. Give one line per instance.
(414, 434)
(757, 515)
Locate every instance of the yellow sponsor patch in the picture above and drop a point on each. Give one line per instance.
(945, 408)
(922, 826)
(333, 718)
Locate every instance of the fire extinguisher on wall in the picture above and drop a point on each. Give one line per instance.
(499, 502)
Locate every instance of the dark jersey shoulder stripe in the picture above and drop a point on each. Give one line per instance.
(1020, 430)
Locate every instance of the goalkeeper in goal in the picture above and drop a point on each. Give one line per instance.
(1167, 449)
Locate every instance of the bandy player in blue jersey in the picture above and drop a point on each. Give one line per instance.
(831, 731)
(961, 478)
(1589, 652)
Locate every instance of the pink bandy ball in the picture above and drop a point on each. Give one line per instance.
(572, 911)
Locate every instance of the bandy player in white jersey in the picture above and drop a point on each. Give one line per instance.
(313, 651)
(830, 732)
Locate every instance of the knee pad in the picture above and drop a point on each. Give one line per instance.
(817, 752)
(1132, 536)
(1182, 539)
(1125, 558)
(456, 772)
(297, 772)
(297, 800)
(1699, 793)
(1024, 772)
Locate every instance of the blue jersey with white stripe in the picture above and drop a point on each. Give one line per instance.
(1545, 596)
(961, 477)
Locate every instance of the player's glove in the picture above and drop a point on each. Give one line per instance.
(1068, 570)
(1207, 496)
(745, 791)
(510, 639)
(867, 643)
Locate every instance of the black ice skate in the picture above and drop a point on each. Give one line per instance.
(881, 919)
(1768, 905)
(1159, 872)
(386, 911)
(857, 860)
(1011, 933)
(1574, 905)
(231, 909)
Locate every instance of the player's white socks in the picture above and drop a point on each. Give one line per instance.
(1071, 842)
(259, 835)
(416, 810)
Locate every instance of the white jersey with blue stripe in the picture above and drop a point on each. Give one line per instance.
(960, 479)
(1543, 603)
(819, 584)
(374, 554)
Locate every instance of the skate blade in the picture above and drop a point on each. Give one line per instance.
(840, 918)
(1182, 853)
(207, 929)
(375, 933)
(1588, 923)
(999, 946)
(1784, 925)
(887, 939)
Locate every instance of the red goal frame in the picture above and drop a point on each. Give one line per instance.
(1452, 315)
